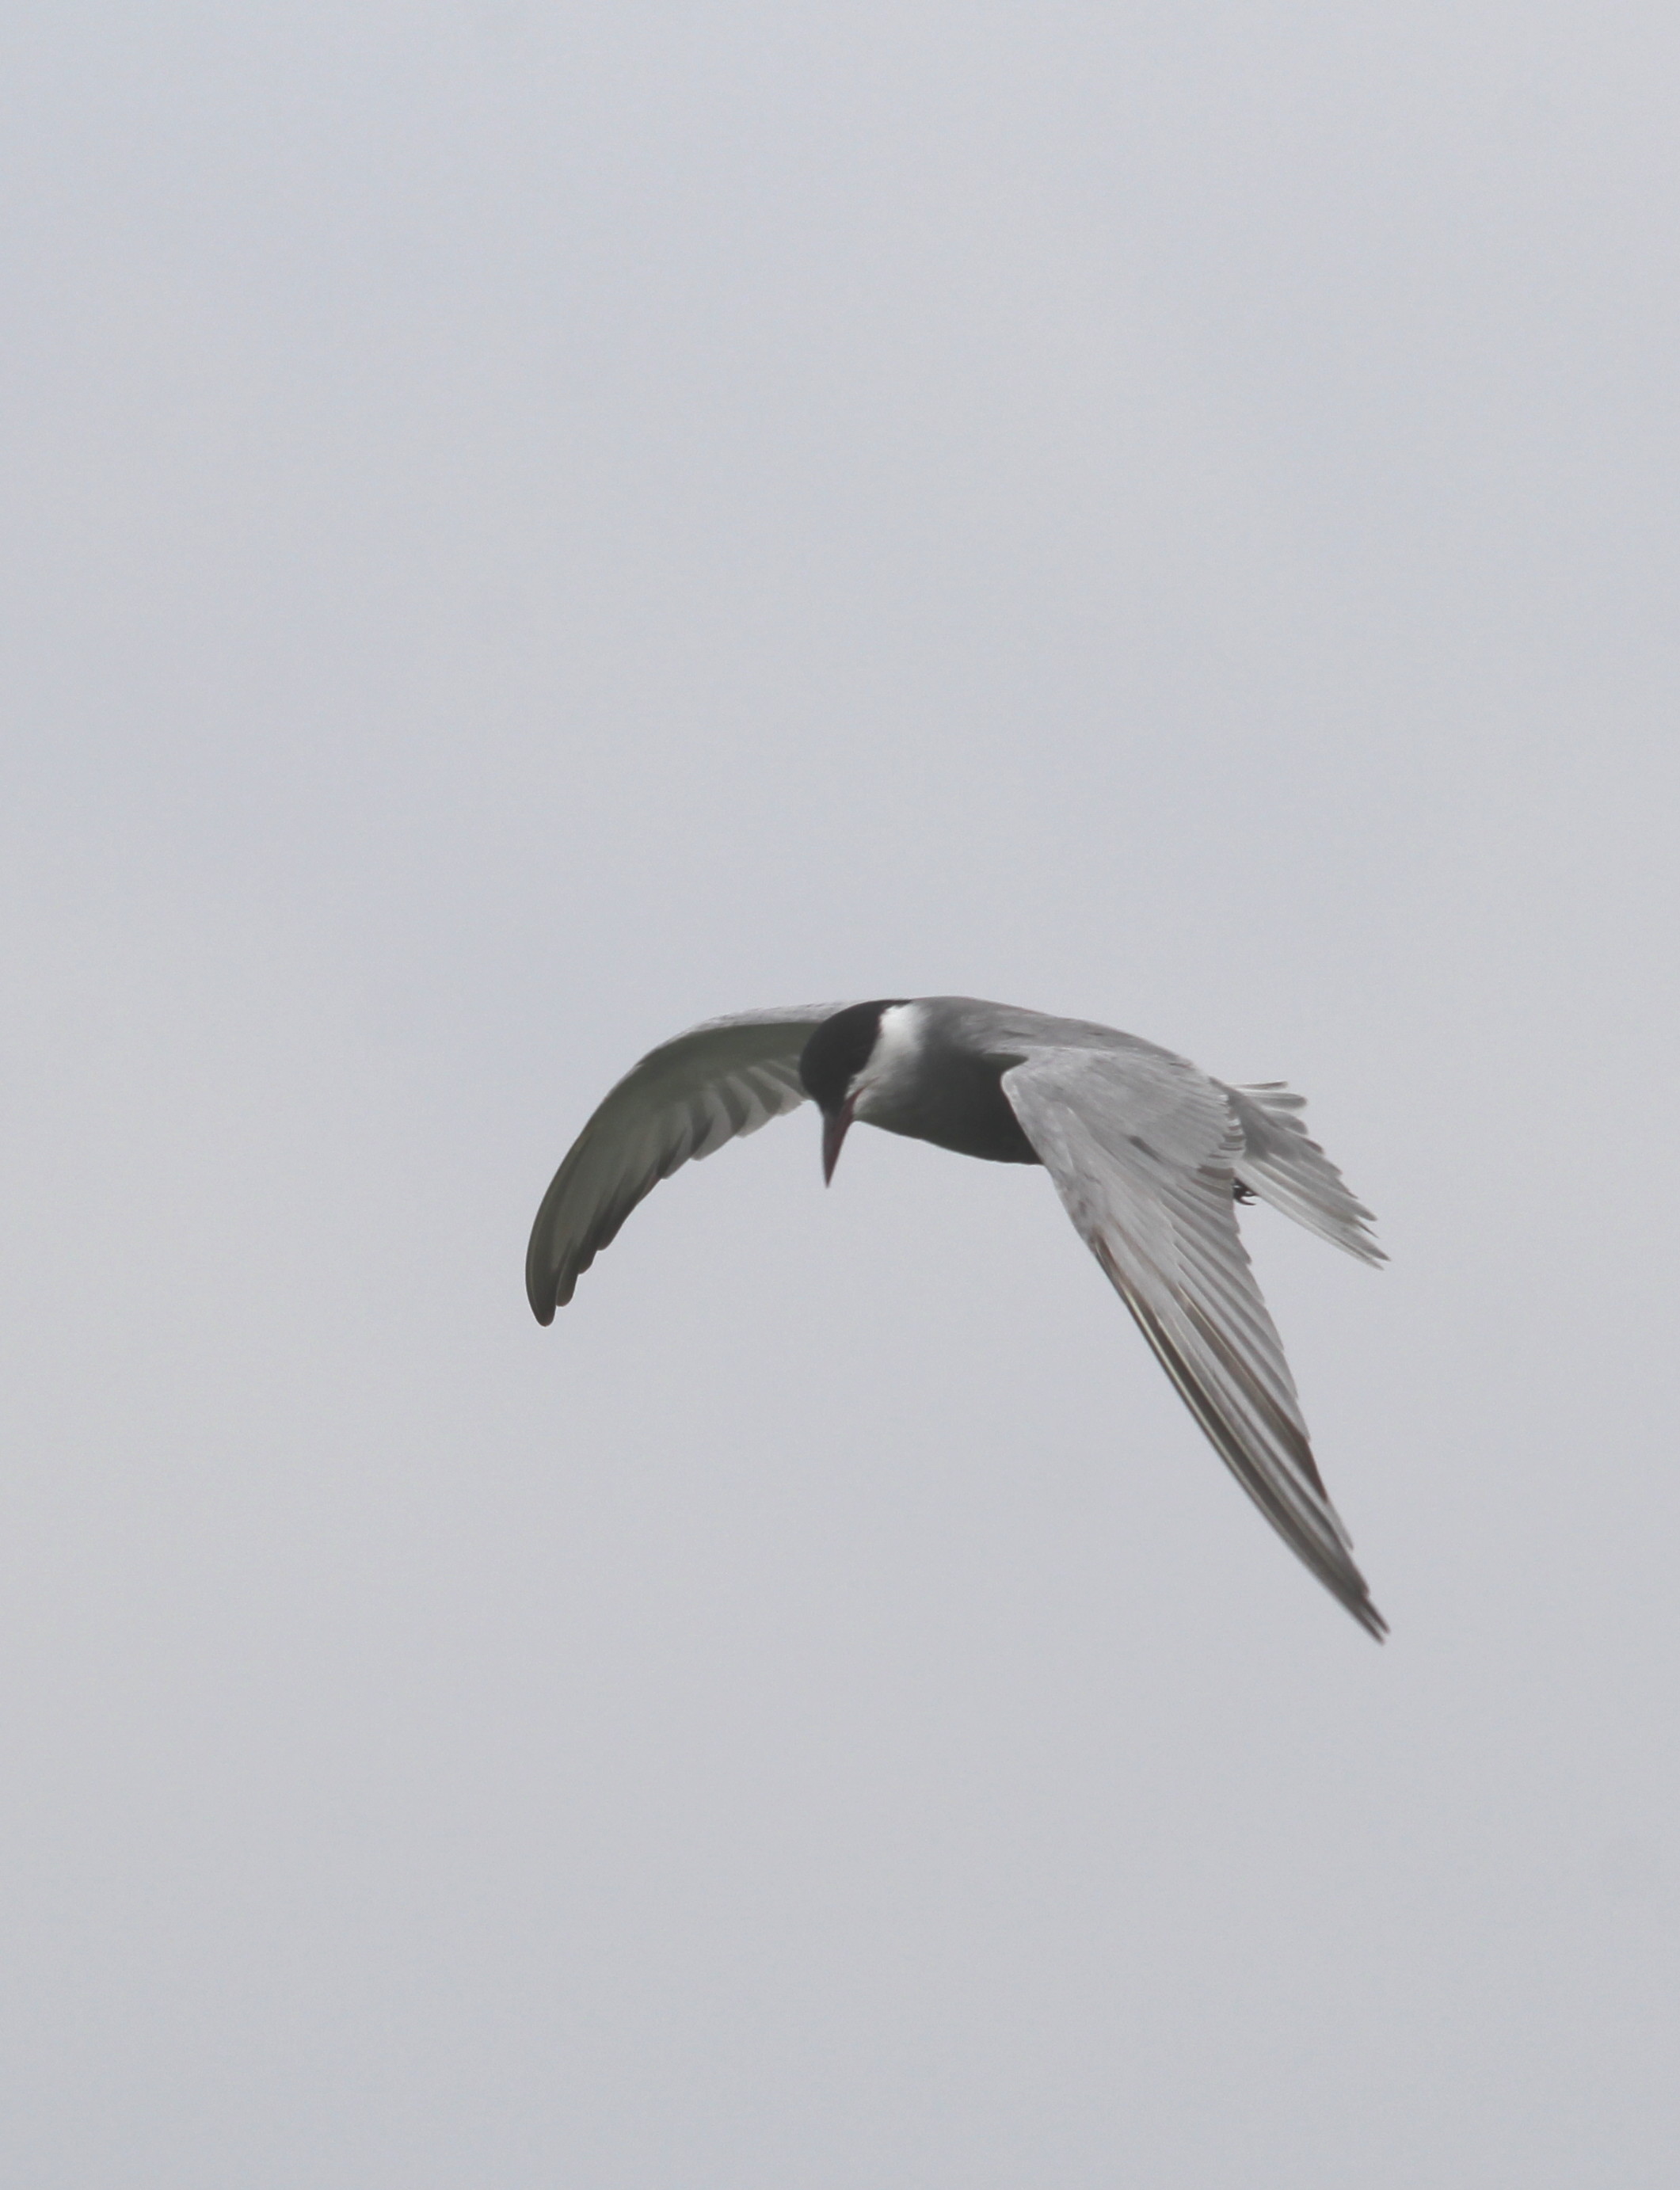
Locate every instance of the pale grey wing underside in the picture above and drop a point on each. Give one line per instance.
(683, 1100)
(1144, 1151)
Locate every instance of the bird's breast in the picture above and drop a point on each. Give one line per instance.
(958, 1103)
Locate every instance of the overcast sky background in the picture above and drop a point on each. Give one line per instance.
(527, 527)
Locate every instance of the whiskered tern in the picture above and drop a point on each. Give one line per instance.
(1150, 1157)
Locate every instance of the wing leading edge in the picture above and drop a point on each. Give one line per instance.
(684, 1100)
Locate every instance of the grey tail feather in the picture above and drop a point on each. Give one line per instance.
(1282, 1165)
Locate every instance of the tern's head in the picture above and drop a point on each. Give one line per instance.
(842, 1060)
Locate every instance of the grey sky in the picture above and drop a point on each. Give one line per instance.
(526, 528)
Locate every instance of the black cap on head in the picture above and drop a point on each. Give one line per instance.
(839, 1050)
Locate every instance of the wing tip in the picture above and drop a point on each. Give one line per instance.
(1369, 1618)
(546, 1290)
(1350, 1589)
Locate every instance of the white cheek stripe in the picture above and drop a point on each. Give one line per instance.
(897, 1046)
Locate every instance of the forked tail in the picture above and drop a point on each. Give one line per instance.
(1284, 1165)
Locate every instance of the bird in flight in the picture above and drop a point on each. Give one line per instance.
(1150, 1156)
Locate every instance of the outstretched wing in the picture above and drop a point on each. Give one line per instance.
(1144, 1151)
(684, 1099)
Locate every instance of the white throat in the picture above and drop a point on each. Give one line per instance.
(892, 1061)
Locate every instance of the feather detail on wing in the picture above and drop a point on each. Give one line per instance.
(1280, 1162)
(684, 1101)
(1144, 1153)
